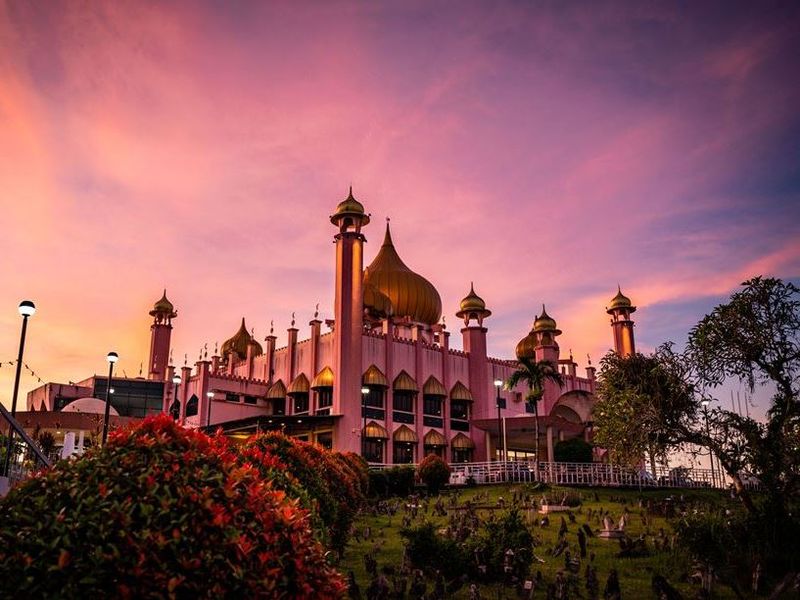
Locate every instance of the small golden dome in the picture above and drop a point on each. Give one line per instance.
(239, 342)
(375, 302)
(544, 322)
(620, 301)
(350, 207)
(472, 301)
(410, 294)
(163, 307)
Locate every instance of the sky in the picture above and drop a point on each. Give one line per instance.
(547, 151)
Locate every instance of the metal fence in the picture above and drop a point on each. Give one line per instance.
(578, 474)
(25, 456)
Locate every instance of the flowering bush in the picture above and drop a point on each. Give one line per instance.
(158, 512)
(433, 472)
(333, 482)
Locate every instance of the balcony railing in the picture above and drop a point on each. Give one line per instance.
(26, 457)
(579, 474)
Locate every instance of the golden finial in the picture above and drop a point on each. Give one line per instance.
(292, 319)
(316, 311)
(589, 358)
(185, 359)
(271, 327)
(205, 351)
(216, 348)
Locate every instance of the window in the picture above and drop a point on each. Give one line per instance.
(459, 409)
(250, 400)
(375, 396)
(373, 450)
(403, 400)
(324, 397)
(300, 403)
(229, 397)
(278, 406)
(403, 453)
(462, 455)
(432, 405)
(325, 439)
(192, 406)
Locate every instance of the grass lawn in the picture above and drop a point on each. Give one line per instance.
(387, 546)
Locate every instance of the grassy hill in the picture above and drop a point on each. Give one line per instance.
(386, 545)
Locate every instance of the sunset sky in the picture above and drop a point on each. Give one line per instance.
(546, 151)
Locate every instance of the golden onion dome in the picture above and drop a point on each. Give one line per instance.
(163, 306)
(350, 207)
(526, 348)
(411, 294)
(620, 301)
(544, 322)
(376, 302)
(472, 302)
(239, 343)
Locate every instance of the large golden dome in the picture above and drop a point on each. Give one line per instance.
(239, 342)
(163, 307)
(411, 295)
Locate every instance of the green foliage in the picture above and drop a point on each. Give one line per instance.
(395, 481)
(574, 450)
(642, 401)
(159, 511)
(335, 483)
(535, 374)
(497, 536)
(432, 552)
(434, 473)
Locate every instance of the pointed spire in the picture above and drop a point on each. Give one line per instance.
(387, 238)
(316, 311)
(292, 319)
(271, 327)
(350, 194)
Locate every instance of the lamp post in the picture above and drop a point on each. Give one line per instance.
(364, 394)
(501, 403)
(210, 396)
(111, 358)
(705, 403)
(26, 309)
(176, 379)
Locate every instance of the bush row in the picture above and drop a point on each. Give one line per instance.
(161, 511)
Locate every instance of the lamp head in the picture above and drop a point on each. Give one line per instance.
(27, 308)
(176, 379)
(112, 357)
(365, 390)
(498, 383)
(210, 394)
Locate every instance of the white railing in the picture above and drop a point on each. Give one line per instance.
(589, 474)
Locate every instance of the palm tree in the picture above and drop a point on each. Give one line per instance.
(535, 373)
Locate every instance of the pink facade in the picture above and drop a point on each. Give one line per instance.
(386, 339)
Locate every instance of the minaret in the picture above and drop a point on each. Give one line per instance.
(620, 310)
(349, 319)
(545, 331)
(160, 332)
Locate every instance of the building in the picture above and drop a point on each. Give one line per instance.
(380, 378)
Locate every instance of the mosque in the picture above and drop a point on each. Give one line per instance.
(381, 379)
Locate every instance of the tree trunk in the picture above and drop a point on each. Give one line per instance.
(653, 464)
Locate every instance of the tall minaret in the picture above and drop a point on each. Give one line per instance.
(348, 319)
(620, 310)
(160, 331)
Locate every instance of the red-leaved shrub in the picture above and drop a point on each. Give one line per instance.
(334, 483)
(434, 473)
(159, 512)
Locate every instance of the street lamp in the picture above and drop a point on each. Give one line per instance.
(705, 402)
(176, 379)
(111, 358)
(210, 396)
(501, 403)
(364, 394)
(26, 309)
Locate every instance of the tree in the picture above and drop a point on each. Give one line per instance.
(535, 374)
(434, 473)
(575, 450)
(642, 399)
(755, 337)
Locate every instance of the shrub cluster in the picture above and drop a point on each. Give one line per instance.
(159, 511)
(395, 481)
(334, 483)
(434, 473)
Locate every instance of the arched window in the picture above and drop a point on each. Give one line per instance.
(192, 406)
(175, 409)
